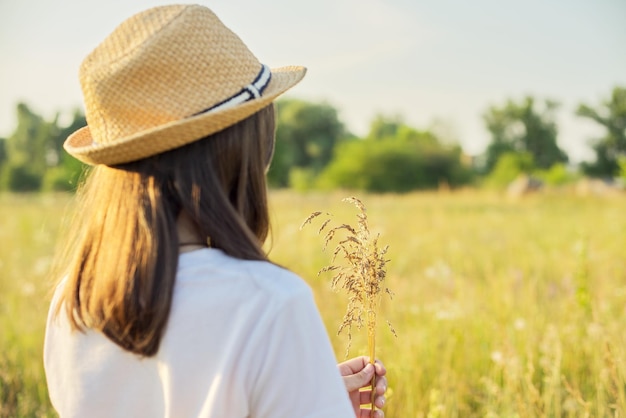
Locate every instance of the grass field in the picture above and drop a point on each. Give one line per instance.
(502, 308)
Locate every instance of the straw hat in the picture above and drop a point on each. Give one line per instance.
(166, 77)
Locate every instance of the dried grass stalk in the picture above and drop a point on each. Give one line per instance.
(361, 274)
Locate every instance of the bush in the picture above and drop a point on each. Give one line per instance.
(508, 167)
(392, 166)
(557, 175)
(622, 170)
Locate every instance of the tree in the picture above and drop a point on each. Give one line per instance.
(611, 114)
(65, 174)
(306, 135)
(522, 127)
(385, 127)
(3, 151)
(26, 151)
(32, 158)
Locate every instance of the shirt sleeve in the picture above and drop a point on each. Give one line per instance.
(298, 375)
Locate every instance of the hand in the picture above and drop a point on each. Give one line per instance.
(357, 373)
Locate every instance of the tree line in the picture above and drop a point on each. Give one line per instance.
(314, 150)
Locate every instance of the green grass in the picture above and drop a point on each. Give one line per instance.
(502, 308)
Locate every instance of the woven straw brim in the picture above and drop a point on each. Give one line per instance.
(82, 146)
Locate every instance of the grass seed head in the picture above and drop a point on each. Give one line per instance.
(360, 270)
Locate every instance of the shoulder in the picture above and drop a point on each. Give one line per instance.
(263, 277)
(276, 280)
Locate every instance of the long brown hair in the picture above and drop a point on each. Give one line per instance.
(122, 260)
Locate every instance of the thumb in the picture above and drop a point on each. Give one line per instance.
(359, 379)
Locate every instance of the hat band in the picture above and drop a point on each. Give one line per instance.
(249, 92)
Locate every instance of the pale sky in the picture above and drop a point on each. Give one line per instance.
(431, 61)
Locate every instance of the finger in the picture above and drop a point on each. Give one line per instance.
(380, 368)
(381, 385)
(367, 413)
(358, 380)
(353, 365)
(365, 398)
(380, 401)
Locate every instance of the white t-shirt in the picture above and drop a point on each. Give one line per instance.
(244, 339)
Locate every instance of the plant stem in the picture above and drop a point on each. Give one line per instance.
(372, 351)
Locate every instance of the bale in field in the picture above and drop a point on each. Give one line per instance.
(523, 185)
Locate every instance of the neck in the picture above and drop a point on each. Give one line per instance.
(189, 237)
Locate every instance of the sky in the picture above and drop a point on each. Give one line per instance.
(435, 63)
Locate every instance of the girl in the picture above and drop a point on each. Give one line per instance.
(168, 306)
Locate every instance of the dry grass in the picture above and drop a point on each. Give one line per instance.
(28, 230)
(361, 274)
(504, 309)
(513, 309)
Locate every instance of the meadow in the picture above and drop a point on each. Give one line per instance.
(502, 308)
